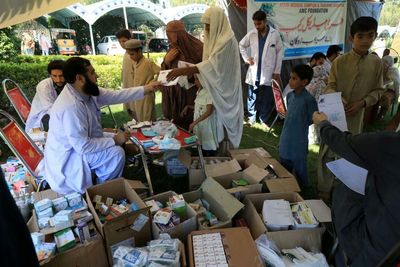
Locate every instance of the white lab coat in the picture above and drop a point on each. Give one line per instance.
(271, 58)
(76, 145)
(42, 101)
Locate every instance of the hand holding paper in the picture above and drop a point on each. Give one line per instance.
(332, 106)
(162, 78)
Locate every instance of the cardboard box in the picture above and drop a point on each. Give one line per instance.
(181, 230)
(285, 181)
(309, 239)
(222, 204)
(91, 254)
(253, 174)
(119, 228)
(241, 155)
(240, 249)
(197, 175)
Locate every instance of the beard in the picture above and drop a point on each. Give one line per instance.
(90, 87)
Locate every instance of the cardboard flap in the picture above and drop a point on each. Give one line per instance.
(238, 189)
(135, 184)
(229, 205)
(320, 210)
(256, 160)
(282, 185)
(278, 168)
(254, 174)
(223, 168)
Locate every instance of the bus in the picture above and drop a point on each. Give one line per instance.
(64, 41)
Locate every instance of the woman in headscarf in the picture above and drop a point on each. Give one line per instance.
(183, 47)
(220, 74)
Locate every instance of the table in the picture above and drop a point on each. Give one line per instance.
(139, 139)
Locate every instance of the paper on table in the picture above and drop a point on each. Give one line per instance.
(332, 106)
(162, 77)
(353, 176)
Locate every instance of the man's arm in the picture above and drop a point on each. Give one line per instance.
(332, 80)
(44, 94)
(243, 45)
(76, 128)
(377, 91)
(279, 54)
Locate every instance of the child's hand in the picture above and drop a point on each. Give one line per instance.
(191, 126)
(184, 111)
(353, 108)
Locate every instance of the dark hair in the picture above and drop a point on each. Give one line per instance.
(123, 33)
(363, 24)
(304, 72)
(317, 56)
(259, 15)
(56, 65)
(74, 66)
(333, 49)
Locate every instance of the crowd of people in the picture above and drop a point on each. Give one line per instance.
(210, 104)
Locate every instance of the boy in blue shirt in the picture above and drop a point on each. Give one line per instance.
(293, 145)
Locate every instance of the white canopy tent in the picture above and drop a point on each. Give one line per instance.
(17, 11)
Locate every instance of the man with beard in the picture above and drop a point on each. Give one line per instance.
(265, 61)
(46, 93)
(76, 145)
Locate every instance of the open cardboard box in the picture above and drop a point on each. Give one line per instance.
(222, 204)
(119, 228)
(91, 253)
(240, 249)
(241, 155)
(197, 176)
(253, 174)
(309, 239)
(181, 230)
(285, 181)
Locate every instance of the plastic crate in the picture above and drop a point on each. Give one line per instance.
(175, 167)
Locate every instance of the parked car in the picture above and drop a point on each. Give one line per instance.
(109, 45)
(158, 45)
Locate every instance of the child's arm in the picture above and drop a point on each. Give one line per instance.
(185, 110)
(209, 111)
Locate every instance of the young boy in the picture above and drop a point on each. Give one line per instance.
(143, 73)
(127, 68)
(359, 76)
(293, 145)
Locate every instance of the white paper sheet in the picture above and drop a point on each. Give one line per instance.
(353, 176)
(162, 77)
(277, 212)
(184, 64)
(332, 106)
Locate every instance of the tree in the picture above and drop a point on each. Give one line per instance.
(389, 15)
(8, 44)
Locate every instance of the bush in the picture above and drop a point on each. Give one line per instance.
(28, 71)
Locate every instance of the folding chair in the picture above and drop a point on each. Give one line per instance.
(279, 104)
(21, 145)
(17, 98)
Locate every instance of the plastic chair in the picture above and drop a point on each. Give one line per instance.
(279, 103)
(21, 145)
(17, 98)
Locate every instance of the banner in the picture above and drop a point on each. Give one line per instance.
(306, 26)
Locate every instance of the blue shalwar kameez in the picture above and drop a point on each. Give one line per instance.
(293, 145)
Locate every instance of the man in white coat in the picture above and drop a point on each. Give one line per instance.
(76, 145)
(265, 60)
(46, 93)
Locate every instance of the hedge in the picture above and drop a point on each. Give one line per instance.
(27, 71)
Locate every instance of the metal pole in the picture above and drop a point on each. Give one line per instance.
(92, 39)
(125, 18)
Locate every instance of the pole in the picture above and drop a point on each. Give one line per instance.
(125, 18)
(92, 39)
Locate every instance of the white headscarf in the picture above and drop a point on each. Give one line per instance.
(220, 74)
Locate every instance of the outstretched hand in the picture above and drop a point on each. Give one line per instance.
(319, 117)
(175, 73)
